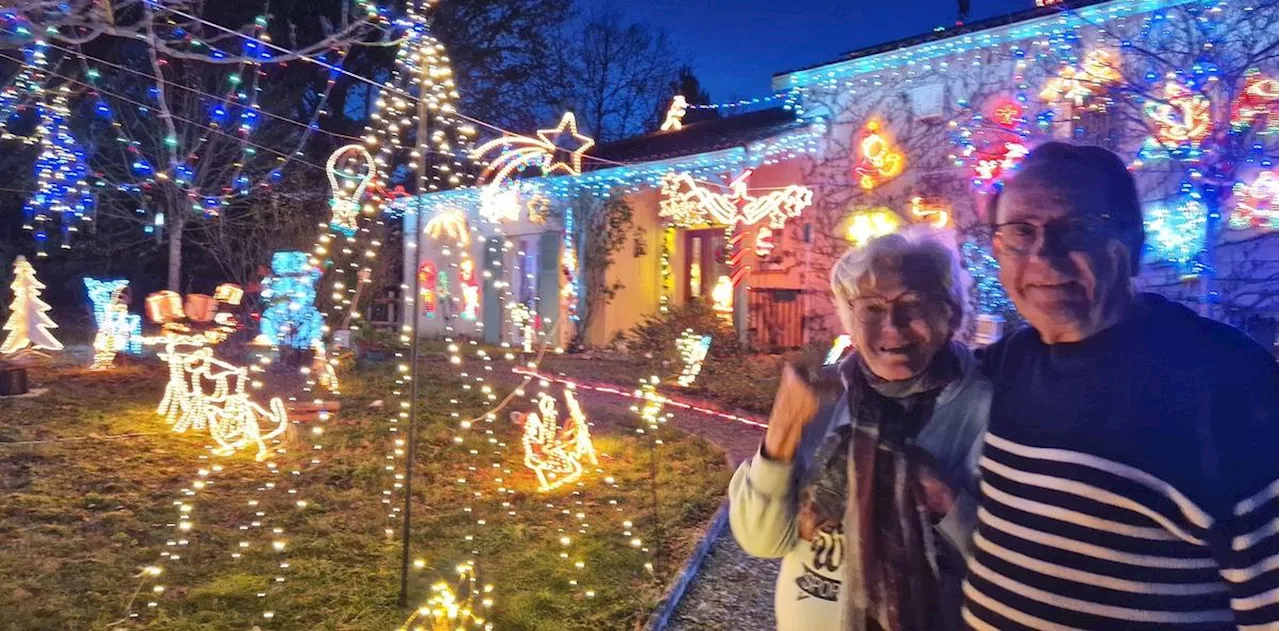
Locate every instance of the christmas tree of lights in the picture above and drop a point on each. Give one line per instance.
(28, 324)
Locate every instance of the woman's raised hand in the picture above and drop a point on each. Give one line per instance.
(794, 407)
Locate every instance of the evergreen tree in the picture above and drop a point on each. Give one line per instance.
(28, 325)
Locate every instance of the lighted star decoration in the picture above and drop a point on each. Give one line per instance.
(934, 212)
(675, 114)
(878, 160)
(865, 225)
(687, 203)
(348, 185)
(1182, 119)
(555, 454)
(545, 151)
(693, 350)
(1097, 70)
(449, 224)
(1256, 203)
(1260, 98)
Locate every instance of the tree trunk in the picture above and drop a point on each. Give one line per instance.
(177, 223)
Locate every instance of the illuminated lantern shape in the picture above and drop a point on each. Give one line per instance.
(28, 324)
(291, 316)
(1256, 204)
(878, 160)
(427, 275)
(865, 225)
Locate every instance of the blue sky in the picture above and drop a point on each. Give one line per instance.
(736, 46)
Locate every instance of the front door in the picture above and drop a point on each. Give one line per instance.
(704, 262)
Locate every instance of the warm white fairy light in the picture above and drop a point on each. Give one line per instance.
(555, 454)
(28, 324)
(223, 408)
(456, 607)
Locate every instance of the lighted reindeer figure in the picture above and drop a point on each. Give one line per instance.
(206, 392)
(555, 455)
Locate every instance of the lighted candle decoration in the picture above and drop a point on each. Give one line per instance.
(877, 160)
(693, 350)
(117, 328)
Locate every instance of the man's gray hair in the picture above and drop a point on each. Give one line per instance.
(918, 257)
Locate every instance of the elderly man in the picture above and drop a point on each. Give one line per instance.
(1129, 472)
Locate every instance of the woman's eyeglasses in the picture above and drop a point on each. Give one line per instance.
(908, 307)
(1071, 234)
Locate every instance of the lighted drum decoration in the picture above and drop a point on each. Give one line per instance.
(348, 192)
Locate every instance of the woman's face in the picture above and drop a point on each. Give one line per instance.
(898, 329)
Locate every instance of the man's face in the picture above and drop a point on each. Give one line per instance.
(1061, 283)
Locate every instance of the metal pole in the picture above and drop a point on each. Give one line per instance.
(413, 349)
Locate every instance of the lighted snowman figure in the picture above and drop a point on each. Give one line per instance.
(291, 316)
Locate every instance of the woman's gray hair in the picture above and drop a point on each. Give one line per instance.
(917, 256)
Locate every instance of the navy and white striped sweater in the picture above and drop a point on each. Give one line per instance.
(1129, 480)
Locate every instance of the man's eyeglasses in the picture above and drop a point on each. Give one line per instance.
(908, 307)
(1072, 234)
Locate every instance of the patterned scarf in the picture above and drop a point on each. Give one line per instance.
(862, 479)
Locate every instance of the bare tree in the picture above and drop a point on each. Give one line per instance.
(184, 118)
(615, 74)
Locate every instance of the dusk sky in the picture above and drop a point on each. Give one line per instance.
(737, 45)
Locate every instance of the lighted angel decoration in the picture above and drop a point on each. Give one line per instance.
(555, 454)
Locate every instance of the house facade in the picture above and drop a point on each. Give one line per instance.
(749, 211)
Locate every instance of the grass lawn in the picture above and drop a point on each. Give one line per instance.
(80, 518)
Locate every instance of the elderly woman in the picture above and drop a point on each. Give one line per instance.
(868, 498)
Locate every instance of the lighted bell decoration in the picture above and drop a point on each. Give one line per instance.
(164, 307)
(201, 308)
